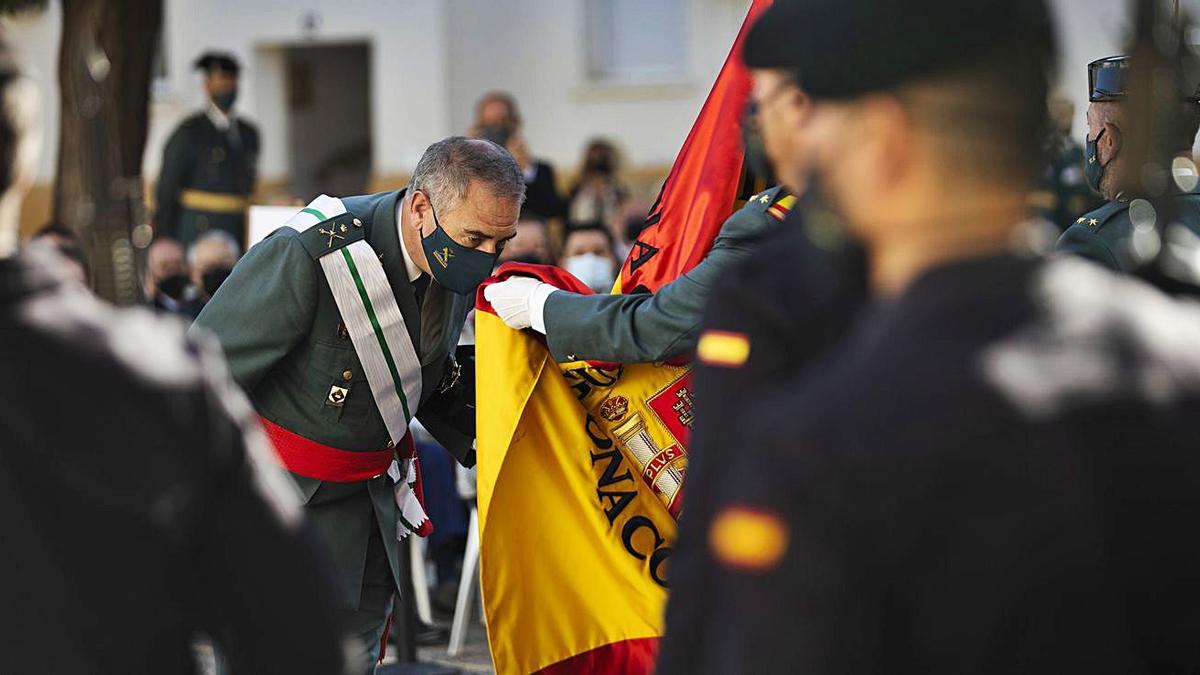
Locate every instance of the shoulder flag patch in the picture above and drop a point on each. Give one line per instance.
(748, 538)
(723, 349)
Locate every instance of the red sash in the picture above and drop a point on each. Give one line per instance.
(322, 462)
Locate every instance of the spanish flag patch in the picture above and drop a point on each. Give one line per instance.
(748, 538)
(723, 349)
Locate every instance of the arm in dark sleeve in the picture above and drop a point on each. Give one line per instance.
(265, 307)
(175, 165)
(450, 415)
(638, 327)
(261, 581)
(1080, 241)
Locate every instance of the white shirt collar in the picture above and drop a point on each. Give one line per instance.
(220, 119)
(414, 272)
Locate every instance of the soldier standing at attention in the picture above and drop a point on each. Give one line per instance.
(209, 163)
(1107, 235)
(947, 490)
(340, 327)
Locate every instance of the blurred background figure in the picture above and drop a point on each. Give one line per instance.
(209, 164)
(597, 194)
(1063, 192)
(588, 254)
(167, 279)
(211, 259)
(64, 240)
(190, 527)
(498, 120)
(530, 245)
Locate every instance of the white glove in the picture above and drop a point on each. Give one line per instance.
(520, 301)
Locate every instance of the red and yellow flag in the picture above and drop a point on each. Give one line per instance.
(581, 465)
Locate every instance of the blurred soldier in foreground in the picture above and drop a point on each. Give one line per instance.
(992, 472)
(341, 326)
(210, 162)
(1109, 235)
(139, 504)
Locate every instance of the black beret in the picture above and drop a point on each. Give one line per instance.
(845, 48)
(210, 61)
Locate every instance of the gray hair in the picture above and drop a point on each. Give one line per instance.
(448, 167)
(213, 238)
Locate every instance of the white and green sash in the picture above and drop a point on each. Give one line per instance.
(368, 307)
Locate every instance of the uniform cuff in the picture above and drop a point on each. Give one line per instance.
(537, 307)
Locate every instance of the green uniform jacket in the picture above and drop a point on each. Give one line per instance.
(640, 327)
(199, 156)
(283, 337)
(1106, 234)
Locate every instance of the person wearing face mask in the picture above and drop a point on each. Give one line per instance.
(167, 281)
(1107, 235)
(209, 164)
(588, 255)
(979, 476)
(211, 259)
(597, 193)
(342, 325)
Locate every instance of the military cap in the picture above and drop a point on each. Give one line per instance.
(845, 48)
(210, 61)
(1108, 80)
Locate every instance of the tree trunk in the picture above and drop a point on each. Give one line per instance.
(105, 63)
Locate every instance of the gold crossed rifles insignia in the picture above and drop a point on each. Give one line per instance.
(332, 234)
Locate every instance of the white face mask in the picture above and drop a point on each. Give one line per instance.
(594, 270)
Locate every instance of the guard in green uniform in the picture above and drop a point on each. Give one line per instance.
(1108, 235)
(209, 163)
(291, 334)
(637, 327)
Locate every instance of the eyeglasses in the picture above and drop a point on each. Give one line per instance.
(1108, 80)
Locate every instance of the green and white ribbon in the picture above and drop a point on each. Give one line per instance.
(376, 326)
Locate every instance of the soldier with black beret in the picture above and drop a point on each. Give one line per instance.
(984, 474)
(210, 162)
(1109, 235)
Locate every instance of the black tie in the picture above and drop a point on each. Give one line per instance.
(419, 288)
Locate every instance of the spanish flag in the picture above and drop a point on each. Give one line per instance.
(582, 465)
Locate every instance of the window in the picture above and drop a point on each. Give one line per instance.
(636, 41)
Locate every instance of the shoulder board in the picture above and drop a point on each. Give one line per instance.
(330, 235)
(1096, 219)
(763, 200)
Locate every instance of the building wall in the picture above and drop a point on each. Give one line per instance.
(431, 59)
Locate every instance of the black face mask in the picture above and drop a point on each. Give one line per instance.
(225, 101)
(1093, 169)
(601, 164)
(213, 279)
(455, 266)
(754, 148)
(174, 286)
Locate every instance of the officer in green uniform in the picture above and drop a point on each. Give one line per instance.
(637, 327)
(209, 163)
(1110, 234)
(288, 345)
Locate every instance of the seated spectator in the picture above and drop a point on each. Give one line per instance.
(498, 120)
(211, 258)
(66, 242)
(530, 245)
(588, 255)
(597, 195)
(167, 281)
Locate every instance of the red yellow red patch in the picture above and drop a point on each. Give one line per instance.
(748, 538)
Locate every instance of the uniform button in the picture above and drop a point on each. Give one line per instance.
(357, 222)
(347, 374)
(571, 357)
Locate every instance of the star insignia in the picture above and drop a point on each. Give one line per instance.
(765, 198)
(1093, 222)
(1081, 219)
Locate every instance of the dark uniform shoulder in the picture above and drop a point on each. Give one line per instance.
(331, 234)
(760, 214)
(1101, 236)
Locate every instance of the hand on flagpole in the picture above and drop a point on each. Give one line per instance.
(520, 302)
